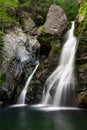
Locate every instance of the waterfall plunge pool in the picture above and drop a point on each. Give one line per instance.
(39, 117)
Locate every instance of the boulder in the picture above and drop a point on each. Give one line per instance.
(32, 43)
(27, 23)
(81, 17)
(56, 21)
(82, 99)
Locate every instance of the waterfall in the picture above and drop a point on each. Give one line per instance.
(21, 99)
(61, 82)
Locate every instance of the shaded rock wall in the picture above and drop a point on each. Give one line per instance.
(81, 31)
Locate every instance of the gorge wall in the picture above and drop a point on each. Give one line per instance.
(81, 32)
(25, 43)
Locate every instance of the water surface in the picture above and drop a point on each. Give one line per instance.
(34, 118)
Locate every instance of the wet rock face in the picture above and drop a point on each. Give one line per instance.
(21, 51)
(19, 59)
(82, 54)
(82, 63)
(83, 76)
(49, 37)
(82, 99)
(82, 72)
(56, 21)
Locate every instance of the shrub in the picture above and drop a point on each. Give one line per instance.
(7, 12)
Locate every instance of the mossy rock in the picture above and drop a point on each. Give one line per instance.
(49, 42)
(83, 9)
(1, 46)
(40, 30)
(82, 99)
(82, 19)
(55, 47)
(2, 78)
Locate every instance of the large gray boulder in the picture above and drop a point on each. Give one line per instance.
(56, 21)
(12, 38)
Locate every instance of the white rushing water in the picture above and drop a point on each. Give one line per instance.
(21, 99)
(62, 79)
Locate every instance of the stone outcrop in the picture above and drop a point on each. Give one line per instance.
(56, 22)
(19, 56)
(12, 38)
(28, 24)
(82, 99)
(22, 49)
(49, 36)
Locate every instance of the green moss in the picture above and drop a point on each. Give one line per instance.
(83, 39)
(70, 7)
(1, 46)
(83, 9)
(25, 4)
(51, 41)
(47, 38)
(83, 65)
(7, 12)
(82, 14)
(82, 26)
(55, 48)
(2, 77)
(41, 29)
(78, 66)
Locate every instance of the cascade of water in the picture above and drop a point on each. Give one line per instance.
(62, 79)
(21, 99)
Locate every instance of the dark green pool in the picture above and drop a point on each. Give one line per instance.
(29, 118)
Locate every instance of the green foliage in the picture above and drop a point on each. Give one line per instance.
(2, 77)
(52, 42)
(83, 65)
(47, 39)
(1, 40)
(69, 6)
(12, 4)
(55, 47)
(7, 12)
(83, 39)
(83, 9)
(1, 46)
(83, 13)
(39, 8)
(82, 27)
(24, 3)
(40, 30)
(7, 17)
